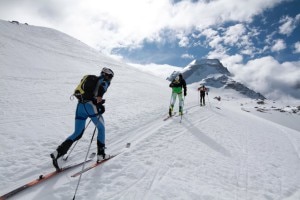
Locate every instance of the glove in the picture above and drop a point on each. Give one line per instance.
(102, 101)
(184, 93)
(206, 93)
(101, 108)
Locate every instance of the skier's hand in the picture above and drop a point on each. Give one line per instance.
(101, 108)
(99, 99)
(102, 102)
(184, 94)
(206, 93)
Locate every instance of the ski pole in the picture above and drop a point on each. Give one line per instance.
(208, 101)
(199, 97)
(170, 105)
(66, 158)
(88, 151)
(171, 98)
(182, 109)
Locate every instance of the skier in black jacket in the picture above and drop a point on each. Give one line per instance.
(177, 84)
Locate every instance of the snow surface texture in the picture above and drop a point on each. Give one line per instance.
(236, 148)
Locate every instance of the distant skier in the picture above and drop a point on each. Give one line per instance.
(202, 90)
(90, 104)
(177, 84)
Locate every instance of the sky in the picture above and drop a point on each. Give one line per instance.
(233, 149)
(245, 35)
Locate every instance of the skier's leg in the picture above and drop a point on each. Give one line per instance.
(173, 100)
(180, 97)
(99, 123)
(80, 119)
(201, 99)
(62, 149)
(98, 120)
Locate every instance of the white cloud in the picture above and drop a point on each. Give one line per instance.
(187, 56)
(109, 24)
(218, 53)
(233, 34)
(297, 47)
(248, 51)
(268, 76)
(288, 24)
(162, 71)
(236, 36)
(278, 45)
(227, 60)
(184, 42)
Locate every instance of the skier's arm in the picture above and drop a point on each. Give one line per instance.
(184, 87)
(101, 90)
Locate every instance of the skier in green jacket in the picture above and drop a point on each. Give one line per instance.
(177, 84)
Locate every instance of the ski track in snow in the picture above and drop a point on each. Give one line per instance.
(225, 164)
(246, 183)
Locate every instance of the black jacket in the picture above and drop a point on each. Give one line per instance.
(181, 83)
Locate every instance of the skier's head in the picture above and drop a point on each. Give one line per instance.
(107, 73)
(180, 76)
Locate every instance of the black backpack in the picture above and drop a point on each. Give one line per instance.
(85, 91)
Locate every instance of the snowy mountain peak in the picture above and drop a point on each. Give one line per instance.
(205, 67)
(212, 73)
(206, 61)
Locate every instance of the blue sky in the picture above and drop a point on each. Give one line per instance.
(257, 40)
(171, 31)
(275, 32)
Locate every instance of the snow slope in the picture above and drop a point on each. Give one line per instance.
(224, 150)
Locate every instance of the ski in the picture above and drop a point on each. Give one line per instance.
(170, 116)
(93, 166)
(42, 178)
(101, 162)
(180, 115)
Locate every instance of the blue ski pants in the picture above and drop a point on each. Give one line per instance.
(84, 111)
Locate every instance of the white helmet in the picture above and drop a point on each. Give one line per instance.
(108, 73)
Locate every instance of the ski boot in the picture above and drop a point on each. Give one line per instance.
(60, 151)
(101, 152)
(54, 157)
(180, 110)
(171, 110)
